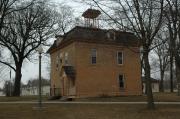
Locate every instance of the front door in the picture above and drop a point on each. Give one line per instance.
(63, 87)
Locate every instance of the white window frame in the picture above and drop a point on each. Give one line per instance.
(122, 57)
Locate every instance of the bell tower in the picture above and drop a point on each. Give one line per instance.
(90, 18)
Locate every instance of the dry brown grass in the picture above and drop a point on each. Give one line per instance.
(92, 111)
(158, 97)
(166, 97)
(87, 111)
(21, 98)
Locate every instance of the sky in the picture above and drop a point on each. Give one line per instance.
(30, 70)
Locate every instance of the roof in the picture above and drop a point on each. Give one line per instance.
(69, 70)
(152, 80)
(97, 35)
(53, 46)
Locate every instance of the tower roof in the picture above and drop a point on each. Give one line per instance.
(91, 13)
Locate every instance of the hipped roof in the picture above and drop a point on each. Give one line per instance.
(97, 35)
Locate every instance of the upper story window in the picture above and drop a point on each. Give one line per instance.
(121, 81)
(111, 35)
(93, 56)
(120, 57)
(61, 58)
(57, 62)
(66, 58)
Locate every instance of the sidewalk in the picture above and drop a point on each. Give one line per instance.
(72, 102)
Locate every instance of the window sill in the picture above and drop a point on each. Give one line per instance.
(120, 64)
(122, 89)
(93, 65)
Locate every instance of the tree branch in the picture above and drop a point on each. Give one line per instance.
(7, 64)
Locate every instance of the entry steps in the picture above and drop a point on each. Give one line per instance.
(67, 98)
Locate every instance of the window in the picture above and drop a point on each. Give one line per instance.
(60, 60)
(111, 35)
(66, 58)
(93, 56)
(57, 62)
(121, 81)
(120, 57)
(61, 57)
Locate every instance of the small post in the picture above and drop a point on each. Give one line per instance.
(40, 97)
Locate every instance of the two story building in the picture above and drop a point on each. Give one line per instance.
(89, 62)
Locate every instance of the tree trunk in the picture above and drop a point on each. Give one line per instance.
(177, 60)
(150, 99)
(141, 74)
(161, 87)
(171, 72)
(17, 83)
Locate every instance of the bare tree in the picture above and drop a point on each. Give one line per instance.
(3, 74)
(65, 18)
(162, 51)
(144, 18)
(173, 23)
(25, 31)
(9, 6)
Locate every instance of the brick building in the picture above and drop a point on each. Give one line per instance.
(89, 61)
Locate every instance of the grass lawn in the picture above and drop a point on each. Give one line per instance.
(21, 98)
(91, 111)
(87, 111)
(159, 97)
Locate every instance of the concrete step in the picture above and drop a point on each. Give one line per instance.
(67, 98)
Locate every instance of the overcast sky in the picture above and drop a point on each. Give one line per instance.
(30, 69)
(78, 8)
